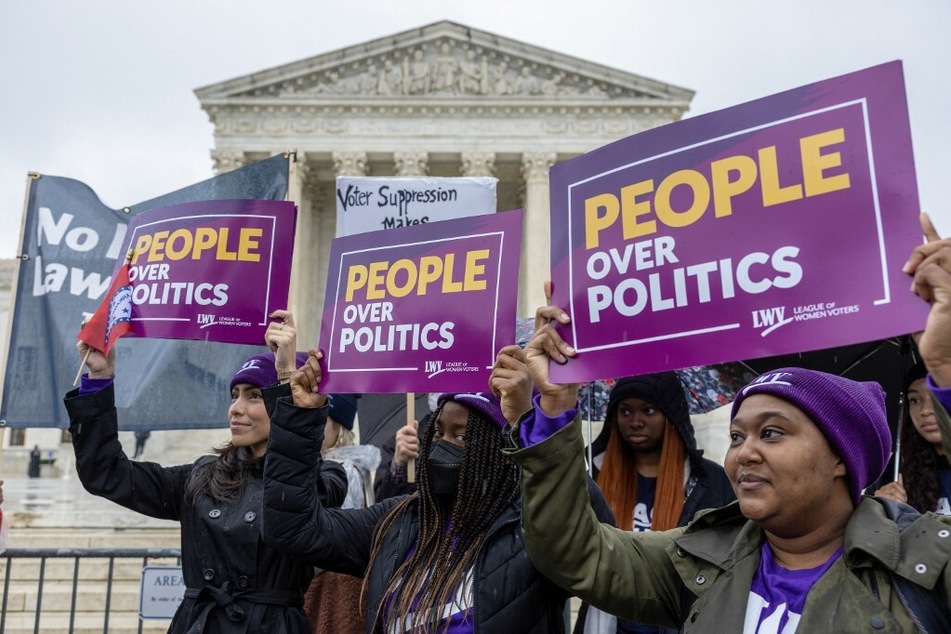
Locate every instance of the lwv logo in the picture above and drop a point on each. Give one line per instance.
(205, 320)
(433, 368)
(770, 319)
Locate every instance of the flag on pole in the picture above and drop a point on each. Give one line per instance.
(113, 318)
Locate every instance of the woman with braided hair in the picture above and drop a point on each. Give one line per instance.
(449, 557)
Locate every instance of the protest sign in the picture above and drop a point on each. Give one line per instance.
(422, 309)
(776, 226)
(373, 203)
(70, 246)
(211, 270)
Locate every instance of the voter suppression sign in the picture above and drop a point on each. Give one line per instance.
(776, 226)
(421, 309)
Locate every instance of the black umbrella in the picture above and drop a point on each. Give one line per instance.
(885, 361)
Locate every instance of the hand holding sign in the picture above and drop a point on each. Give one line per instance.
(281, 338)
(547, 345)
(512, 383)
(305, 383)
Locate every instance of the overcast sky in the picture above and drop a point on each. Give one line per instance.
(103, 91)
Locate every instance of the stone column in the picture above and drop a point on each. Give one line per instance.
(306, 299)
(478, 164)
(323, 223)
(411, 163)
(226, 160)
(536, 231)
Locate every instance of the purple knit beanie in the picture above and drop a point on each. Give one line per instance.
(851, 415)
(484, 403)
(259, 370)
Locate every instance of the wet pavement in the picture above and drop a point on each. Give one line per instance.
(61, 502)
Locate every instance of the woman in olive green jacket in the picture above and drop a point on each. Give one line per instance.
(803, 445)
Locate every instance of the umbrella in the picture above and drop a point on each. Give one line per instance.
(885, 361)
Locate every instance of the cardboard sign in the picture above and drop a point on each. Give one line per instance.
(776, 226)
(374, 203)
(423, 309)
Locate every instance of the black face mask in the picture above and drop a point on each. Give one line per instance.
(444, 465)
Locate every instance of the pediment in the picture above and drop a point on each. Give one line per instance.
(448, 62)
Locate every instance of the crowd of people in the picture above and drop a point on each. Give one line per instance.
(800, 528)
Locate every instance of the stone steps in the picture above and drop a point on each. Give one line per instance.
(83, 623)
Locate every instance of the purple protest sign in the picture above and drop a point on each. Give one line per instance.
(776, 226)
(421, 309)
(210, 270)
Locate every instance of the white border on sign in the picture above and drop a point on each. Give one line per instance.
(731, 326)
(333, 327)
(270, 261)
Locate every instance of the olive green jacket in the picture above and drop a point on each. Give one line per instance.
(652, 577)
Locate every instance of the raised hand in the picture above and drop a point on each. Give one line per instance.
(407, 444)
(305, 382)
(100, 366)
(545, 346)
(930, 264)
(511, 382)
(281, 338)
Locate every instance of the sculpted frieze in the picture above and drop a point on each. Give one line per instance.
(446, 68)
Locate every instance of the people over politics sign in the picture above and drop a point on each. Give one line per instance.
(776, 226)
(210, 270)
(421, 309)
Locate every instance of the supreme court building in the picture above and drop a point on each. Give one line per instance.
(441, 100)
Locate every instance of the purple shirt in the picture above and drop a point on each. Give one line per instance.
(777, 595)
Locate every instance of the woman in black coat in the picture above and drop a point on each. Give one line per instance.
(235, 582)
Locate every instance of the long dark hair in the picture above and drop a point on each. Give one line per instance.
(224, 477)
(449, 537)
(919, 466)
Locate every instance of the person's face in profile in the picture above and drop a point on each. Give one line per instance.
(783, 470)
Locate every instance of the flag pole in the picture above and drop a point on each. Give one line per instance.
(31, 178)
(128, 260)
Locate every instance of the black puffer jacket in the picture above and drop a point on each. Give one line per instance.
(235, 582)
(509, 593)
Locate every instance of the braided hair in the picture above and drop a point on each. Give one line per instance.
(449, 536)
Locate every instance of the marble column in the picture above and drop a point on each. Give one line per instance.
(478, 164)
(227, 160)
(411, 163)
(536, 231)
(307, 298)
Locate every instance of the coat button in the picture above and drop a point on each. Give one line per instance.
(680, 552)
(214, 514)
(877, 622)
(700, 580)
(249, 516)
(921, 569)
(693, 617)
(943, 533)
(208, 574)
(243, 582)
